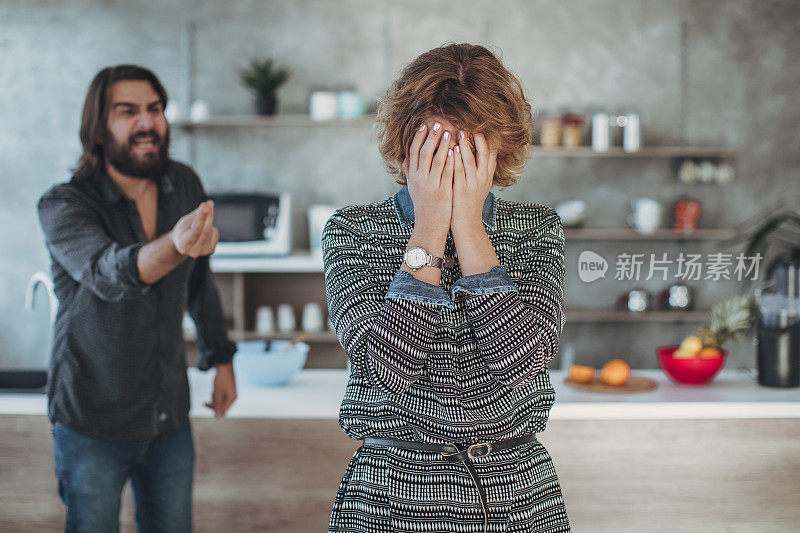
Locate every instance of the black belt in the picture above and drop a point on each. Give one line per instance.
(459, 453)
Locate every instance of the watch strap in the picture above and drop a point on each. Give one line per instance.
(435, 261)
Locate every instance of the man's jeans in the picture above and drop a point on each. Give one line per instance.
(91, 474)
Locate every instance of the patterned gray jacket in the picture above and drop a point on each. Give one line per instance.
(463, 361)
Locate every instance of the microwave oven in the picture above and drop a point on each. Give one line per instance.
(252, 224)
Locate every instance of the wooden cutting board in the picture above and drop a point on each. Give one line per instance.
(634, 384)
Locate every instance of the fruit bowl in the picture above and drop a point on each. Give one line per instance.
(692, 370)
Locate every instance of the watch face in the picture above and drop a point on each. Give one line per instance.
(416, 257)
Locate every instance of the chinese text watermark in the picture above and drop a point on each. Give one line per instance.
(688, 267)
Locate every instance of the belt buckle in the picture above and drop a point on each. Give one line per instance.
(484, 445)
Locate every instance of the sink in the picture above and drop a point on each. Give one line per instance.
(23, 381)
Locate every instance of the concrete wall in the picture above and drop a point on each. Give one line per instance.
(579, 55)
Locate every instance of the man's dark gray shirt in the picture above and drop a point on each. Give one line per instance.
(118, 366)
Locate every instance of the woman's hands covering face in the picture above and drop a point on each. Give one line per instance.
(429, 174)
(473, 175)
(447, 180)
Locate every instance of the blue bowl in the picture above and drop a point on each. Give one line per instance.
(268, 363)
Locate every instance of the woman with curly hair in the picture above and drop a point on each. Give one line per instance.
(449, 303)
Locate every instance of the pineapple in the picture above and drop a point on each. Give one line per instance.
(706, 335)
(729, 319)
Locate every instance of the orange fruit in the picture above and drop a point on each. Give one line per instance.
(581, 374)
(710, 352)
(615, 372)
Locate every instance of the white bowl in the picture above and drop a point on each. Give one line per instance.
(268, 363)
(571, 212)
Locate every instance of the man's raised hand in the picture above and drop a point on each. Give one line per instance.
(194, 235)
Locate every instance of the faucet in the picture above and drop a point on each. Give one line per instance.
(44, 279)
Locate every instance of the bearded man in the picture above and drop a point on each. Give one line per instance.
(129, 238)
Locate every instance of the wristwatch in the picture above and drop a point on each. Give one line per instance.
(416, 258)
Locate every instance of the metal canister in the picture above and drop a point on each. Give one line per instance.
(680, 297)
(638, 300)
(631, 133)
(787, 279)
(600, 132)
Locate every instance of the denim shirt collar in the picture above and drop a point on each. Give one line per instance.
(113, 194)
(404, 208)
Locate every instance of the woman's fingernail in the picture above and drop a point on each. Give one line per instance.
(422, 128)
(436, 126)
(446, 135)
(461, 134)
(450, 152)
(458, 150)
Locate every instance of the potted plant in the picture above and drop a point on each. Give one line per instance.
(264, 78)
(776, 241)
(775, 236)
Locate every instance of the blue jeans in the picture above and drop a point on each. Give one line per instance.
(91, 474)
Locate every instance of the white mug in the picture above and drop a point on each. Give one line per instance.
(189, 328)
(286, 319)
(318, 216)
(323, 105)
(173, 112)
(687, 172)
(706, 172)
(265, 320)
(645, 215)
(200, 111)
(312, 317)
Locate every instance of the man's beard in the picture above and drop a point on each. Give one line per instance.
(152, 165)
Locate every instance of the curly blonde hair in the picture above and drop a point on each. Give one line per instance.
(469, 86)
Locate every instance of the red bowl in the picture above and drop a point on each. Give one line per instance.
(693, 370)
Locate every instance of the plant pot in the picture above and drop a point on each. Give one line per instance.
(266, 104)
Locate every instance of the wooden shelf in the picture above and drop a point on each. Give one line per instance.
(257, 121)
(302, 121)
(623, 234)
(322, 336)
(303, 262)
(573, 315)
(610, 315)
(648, 151)
(297, 262)
(237, 336)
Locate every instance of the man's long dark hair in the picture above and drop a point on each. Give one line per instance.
(95, 116)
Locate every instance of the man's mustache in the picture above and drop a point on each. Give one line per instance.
(145, 136)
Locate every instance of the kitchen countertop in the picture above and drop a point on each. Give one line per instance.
(316, 393)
